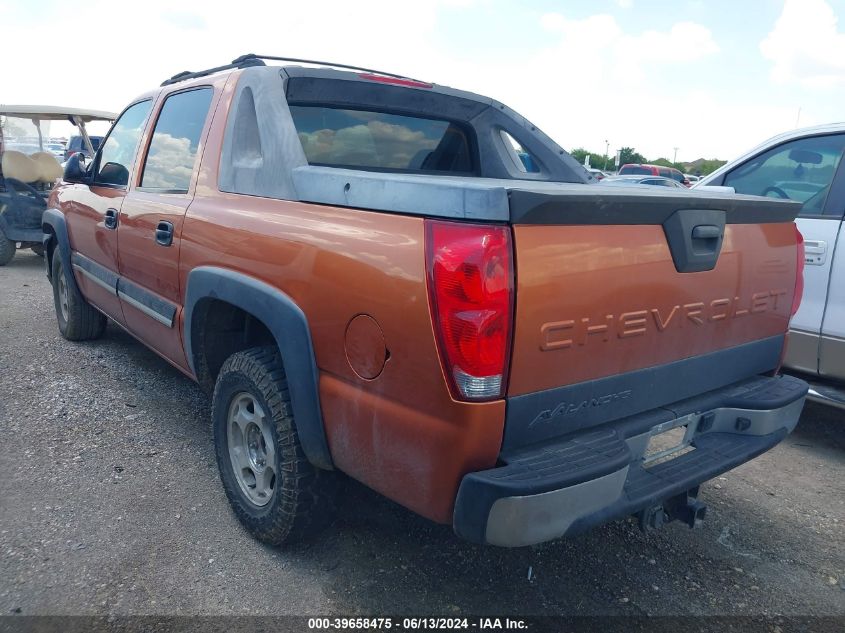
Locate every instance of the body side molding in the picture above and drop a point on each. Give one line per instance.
(97, 273)
(289, 327)
(142, 299)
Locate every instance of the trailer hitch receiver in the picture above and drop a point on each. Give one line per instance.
(684, 507)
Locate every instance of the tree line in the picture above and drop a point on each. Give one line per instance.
(700, 167)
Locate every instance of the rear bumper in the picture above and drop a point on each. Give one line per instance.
(598, 475)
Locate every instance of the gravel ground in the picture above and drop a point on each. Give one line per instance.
(110, 504)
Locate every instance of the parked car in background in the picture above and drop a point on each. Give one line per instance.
(27, 148)
(658, 181)
(56, 149)
(806, 165)
(639, 169)
(76, 144)
(693, 179)
(598, 174)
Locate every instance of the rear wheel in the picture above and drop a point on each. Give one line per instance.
(7, 249)
(278, 495)
(78, 320)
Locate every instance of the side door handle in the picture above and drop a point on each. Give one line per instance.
(110, 221)
(815, 252)
(164, 233)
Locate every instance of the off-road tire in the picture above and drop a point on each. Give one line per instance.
(7, 249)
(81, 321)
(303, 497)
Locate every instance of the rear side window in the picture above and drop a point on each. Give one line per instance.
(173, 148)
(521, 157)
(365, 139)
(800, 170)
(635, 170)
(674, 174)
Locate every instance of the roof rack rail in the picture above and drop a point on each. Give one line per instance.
(251, 59)
(249, 56)
(244, 61)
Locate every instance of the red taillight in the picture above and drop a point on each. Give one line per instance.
(397, 81)
(470, 291)
(799, 273)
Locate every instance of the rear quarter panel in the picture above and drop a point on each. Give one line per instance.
(399, 433)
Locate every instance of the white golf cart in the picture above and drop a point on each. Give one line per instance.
(29, 167)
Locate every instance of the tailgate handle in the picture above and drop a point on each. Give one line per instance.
(695, 238)
(706, 232)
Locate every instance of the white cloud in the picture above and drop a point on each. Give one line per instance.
(684, 42)
(625, 4)
(185, 19)
(627, 55)
(113, 65)
(806, 46)
(603, 27)
(590, 80)
(611, 85)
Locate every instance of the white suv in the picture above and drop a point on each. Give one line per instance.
(806, 165)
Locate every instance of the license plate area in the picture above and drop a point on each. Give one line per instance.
(670, 440)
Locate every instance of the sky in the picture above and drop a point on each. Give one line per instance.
(710, 78)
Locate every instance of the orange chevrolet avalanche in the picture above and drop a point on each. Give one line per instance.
(415, 286)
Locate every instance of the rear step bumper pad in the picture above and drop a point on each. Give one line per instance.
(569, 486)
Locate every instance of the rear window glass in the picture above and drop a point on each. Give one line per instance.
(378, 140)
(636, 170)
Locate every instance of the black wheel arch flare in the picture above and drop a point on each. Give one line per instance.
(289, 327)
(53, 223)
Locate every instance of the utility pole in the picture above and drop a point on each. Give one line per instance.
(606, 150)
(675, 157)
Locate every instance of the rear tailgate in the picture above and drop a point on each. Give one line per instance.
(629, 301)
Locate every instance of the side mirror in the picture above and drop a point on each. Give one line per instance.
(113, 174)
(75, 170)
